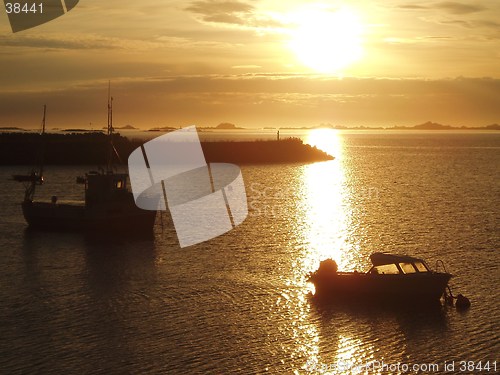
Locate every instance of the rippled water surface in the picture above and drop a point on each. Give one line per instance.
(239, 303)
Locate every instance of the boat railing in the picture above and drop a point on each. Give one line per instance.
(439, 264)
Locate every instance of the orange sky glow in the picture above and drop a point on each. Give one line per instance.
(256, 64)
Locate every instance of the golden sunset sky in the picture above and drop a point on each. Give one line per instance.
(256, 63)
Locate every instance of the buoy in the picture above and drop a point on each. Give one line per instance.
(462, 302)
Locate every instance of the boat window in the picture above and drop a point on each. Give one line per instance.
(386, 269)
(407, 267)
(421, 267)
(119, 184)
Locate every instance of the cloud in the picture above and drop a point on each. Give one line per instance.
(246, 67)
(489, 30)
(234, 13)
(459, 8)
(461, 23)
(212, 7)
(73, 42)
(488, 23)
(303, 84)
(231, 12)
(449, 6)
(187, 43)
(262, 100)
(412, 6)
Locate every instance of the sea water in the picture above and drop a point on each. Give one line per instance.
(240, 303)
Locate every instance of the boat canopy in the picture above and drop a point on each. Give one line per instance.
(380, 259)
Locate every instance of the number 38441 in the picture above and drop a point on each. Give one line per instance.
(471, 366)
(17, 8)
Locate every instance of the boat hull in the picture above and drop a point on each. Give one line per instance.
(74, 217)
(360, 287)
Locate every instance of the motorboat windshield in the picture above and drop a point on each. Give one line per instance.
(389, 264)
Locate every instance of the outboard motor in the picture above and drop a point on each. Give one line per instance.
(328, 266)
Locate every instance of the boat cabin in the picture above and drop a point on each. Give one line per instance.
(388, 264)
(104, 187)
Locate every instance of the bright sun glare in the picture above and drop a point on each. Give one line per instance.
(326, 40)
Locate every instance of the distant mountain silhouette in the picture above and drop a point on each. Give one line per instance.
(493, 127)
(429, 125)
(161, 129)
(227, 126)
(126, 127)
(11, 128)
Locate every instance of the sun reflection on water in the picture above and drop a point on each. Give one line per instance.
(353, 355)
(326, 227)
(326, 202)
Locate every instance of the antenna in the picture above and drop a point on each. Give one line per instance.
(110, 109)
(43, 119)
(42, 148)
(36, 176)
(109, 161)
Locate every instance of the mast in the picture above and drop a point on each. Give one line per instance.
(42, 148)
(36, 175)
(109, 160)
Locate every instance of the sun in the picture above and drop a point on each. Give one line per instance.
(326, 40)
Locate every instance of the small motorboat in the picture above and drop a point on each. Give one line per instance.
(391, 279)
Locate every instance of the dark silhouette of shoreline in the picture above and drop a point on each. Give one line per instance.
(91, 148)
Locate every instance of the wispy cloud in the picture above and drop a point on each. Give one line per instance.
(74, 42)
(459, 8)
(232, 13)
(214, 7)
(448, 6)
(412, 6)
(246, 67)
(266, 99)
(483, 29)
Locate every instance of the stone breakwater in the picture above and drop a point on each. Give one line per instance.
(91, 148)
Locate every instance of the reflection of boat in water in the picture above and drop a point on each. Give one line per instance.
(108, 204)
(391, 279)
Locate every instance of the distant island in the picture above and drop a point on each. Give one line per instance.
(126, 127)
(227, 126)
(221, 126)
(162, 129)
(429, 125)
(11, 128)
(91, 148)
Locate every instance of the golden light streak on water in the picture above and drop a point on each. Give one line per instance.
(326, 203)
(353, 354)
(325, 230)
